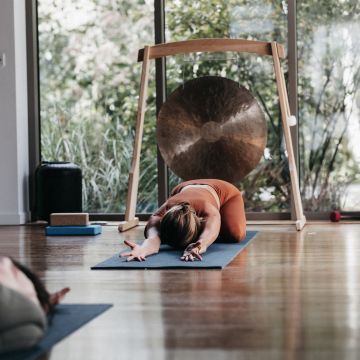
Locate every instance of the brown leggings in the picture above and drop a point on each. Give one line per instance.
(233, 221)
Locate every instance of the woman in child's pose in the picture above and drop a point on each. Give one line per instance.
(24, 304)
(197, 213)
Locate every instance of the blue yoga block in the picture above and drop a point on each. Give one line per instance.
(73, 230)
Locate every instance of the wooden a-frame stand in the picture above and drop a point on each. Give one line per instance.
(210, 45)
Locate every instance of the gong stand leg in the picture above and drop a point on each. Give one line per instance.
(285, 114)
(133, 182)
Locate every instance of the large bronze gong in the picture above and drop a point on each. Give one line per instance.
(211, 127)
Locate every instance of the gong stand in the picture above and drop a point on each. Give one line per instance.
(211, 45)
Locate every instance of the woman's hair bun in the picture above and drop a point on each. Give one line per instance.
(185, 206)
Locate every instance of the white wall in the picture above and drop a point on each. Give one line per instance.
(14, 172)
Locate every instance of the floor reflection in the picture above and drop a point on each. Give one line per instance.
(289, 296)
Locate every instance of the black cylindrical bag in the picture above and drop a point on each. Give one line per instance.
(58, 189)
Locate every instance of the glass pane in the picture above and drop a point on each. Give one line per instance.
(89, 84)
(266, 188)
(329, 104)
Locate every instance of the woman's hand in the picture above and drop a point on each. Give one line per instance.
(55, 298)
(58, 296)
(192, 252)
(137, 252)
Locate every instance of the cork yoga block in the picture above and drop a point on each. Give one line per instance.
(67, 219)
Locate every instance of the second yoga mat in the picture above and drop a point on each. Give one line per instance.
(66, 319)
(217, 256)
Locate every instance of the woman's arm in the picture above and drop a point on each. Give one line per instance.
(208, 235)
(152, 241)
(140, 252)
(211, 231)
(150, 245)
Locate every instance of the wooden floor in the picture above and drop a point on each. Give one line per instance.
(289, 295)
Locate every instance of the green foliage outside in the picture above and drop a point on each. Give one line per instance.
(267, 187)
(329, 101)
(89, 82)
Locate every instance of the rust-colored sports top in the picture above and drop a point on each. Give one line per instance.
(224, 190)
(199, 198)
(203, 201)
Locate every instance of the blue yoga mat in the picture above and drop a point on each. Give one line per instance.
(217, 256)
(66, 319)
(73, 230)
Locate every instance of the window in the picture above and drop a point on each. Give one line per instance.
(329, 104)
(89, 85)
(267, 188)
